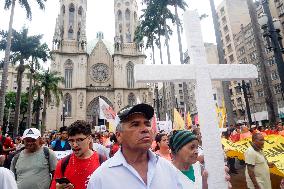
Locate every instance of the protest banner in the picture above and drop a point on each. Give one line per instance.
(273, 151)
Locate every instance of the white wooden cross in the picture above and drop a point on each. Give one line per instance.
(203, 73)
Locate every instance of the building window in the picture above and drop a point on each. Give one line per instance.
(274, 75)
(226, 29)
(180, 91)
(229, 47)
(130, 75)
(180, 85)
(71, 20)
(68, 105)
(222, 10)
(260, 93)
(238, 89)
(224, 20)
(232, 59)
(244, 61)
(258, 81)
(239, 101)
(68, 66)
(277, 89)
(80, 11)
(131, 99)
(271, 61)
(281, 10)
(253, 56)
(228, 39)
(119, 15)
(127, 15)
(63, 9)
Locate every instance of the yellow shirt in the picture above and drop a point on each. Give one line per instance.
(261, 169)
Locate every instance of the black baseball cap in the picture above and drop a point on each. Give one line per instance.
(145, 109)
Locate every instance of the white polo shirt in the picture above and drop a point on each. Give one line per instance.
(116, 173)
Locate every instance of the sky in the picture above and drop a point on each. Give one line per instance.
(100, 17)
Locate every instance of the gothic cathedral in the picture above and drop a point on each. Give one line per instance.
(93, 69)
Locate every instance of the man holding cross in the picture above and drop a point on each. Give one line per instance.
(203, 73)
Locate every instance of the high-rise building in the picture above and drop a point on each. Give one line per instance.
(97, 68)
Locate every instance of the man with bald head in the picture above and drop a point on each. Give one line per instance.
(257, 167)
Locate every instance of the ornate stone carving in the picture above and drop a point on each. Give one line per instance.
(117, 65)
(81, 100)
(119, 101)
(100, 72)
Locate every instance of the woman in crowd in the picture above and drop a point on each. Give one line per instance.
(162, 148)
(184, 147)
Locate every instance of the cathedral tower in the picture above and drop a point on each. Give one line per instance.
(70, 30)
(125, 19)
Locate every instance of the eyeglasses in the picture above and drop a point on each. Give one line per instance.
(78, 140)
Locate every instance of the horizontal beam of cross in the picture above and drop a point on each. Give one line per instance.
(187, 72)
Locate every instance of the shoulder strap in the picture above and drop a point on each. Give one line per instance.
(46, 155)
(64, 164)
(101, 158)
(16, 157)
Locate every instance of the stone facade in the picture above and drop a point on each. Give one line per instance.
(97, 68)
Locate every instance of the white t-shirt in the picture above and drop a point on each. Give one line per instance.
(7, 179)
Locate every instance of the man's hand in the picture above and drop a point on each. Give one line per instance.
(64, 186)
(270, 164)
(282, 184)
(228, 177)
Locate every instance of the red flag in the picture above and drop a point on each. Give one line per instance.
(196, 121)
(154, 124)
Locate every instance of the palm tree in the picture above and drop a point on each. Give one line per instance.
(49, 85)
(182, 5)
(23, 47)
(7, 5)
(40, 53)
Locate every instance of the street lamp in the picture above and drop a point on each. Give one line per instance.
(64, 114)
(245, 87)
(157, 101)
(271, 33)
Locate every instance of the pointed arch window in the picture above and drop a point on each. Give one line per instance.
(119, 15)
(71, 20)
(68, 105)
(63, 9)
(80, 11)
(131, 99)
(130, 74)
(127, 15)
(68, 66)
(135, 16)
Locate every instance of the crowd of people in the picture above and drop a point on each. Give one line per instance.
(132, 157)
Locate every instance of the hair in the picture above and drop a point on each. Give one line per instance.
(194, 131)
(113, 139)
(255, 136)
(62, 129)
(79, 127)
(119, 127)
(158, 138)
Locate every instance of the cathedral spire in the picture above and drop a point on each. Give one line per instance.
(125, 20)
(70, 26)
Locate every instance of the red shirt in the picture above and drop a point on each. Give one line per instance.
(8, 143)
(78, 171)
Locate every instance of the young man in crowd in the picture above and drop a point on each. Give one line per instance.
(62, 143)
(77, 167)
(6, 144)
(33, 165)
(134, 165)
(257, 167)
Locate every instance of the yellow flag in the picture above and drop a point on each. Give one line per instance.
(273, 151)
(221, 114)
(188, 120)
(178, 121)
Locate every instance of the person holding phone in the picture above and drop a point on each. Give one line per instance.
(74, 170)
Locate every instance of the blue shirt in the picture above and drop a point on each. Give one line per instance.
(116, 173)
